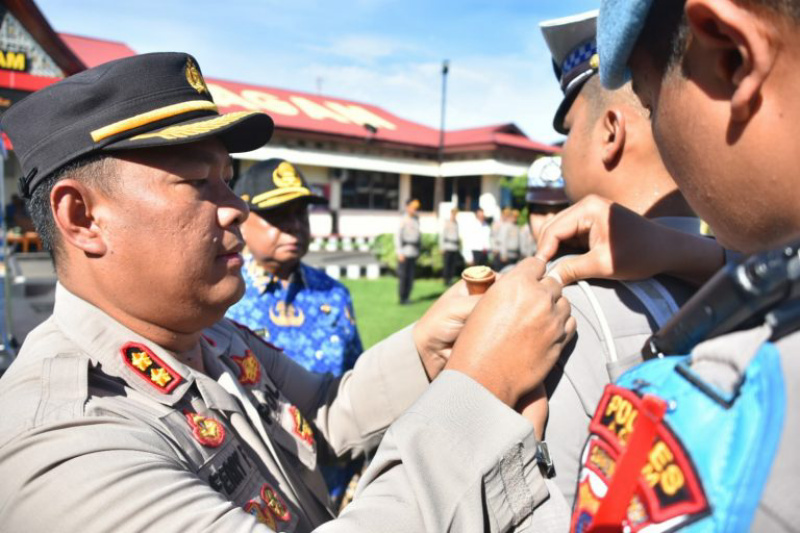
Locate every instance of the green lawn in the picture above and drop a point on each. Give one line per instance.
(378, 314)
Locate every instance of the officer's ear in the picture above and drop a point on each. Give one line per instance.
(614, 132)
(72, 204)
(732, 52)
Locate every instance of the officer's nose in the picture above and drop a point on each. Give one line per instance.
(232, 211)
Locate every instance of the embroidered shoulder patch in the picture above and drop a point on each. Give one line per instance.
(301, 426)
(150, 367)
(206, 430)
(249, 368)
(668, 491)
(275, 503)
(263, 516)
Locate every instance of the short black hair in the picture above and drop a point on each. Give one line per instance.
(91, 169)
(667, 30)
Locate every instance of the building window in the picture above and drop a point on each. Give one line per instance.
(422, 188)
(364, 189)
(467, 190)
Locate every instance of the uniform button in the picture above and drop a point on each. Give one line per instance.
(318, 355)
(334, 338)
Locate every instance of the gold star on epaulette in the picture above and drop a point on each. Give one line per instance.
(160, 377)
(141, 360)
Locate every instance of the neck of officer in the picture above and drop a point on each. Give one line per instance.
(184, 346)
(281, 270)
(641, 182)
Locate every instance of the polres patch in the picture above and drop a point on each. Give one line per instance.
(249, 368)
(206, 430)
(301, 426)
(150, 367)
(275, 503)
(668, 492)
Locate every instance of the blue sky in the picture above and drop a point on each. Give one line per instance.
(383, 52)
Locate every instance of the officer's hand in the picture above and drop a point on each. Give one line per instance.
(401, 258)
(623, 245)
(437, 330)
(515, 334)
(534, 407)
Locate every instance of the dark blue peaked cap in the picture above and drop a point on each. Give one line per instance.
(136, 102)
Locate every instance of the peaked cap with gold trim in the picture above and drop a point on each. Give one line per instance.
(136, 102)
(273, 182)
(573, 45)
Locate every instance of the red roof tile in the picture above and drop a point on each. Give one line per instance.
(95, 52)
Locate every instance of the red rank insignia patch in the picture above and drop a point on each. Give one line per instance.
(249, 369)
(263, 515)
(301, 426)
(150, 367)
(668, 492)
(275, 504)
(207, 431)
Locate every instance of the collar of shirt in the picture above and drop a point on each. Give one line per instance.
(265, 281)
(143, 365)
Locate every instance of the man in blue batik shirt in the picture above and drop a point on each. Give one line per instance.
(291, 305)
(296, 307)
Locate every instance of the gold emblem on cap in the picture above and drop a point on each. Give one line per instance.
(594, 61)
(286, 176)
(194, 77)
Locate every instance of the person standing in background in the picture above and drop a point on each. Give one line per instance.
(509, 240)
(449, 243)
(478, 240)
(407, 242)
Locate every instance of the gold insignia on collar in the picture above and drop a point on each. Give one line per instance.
(301, 426)
(194, 77)
(249, 369)
(206, 430)
(286, 176)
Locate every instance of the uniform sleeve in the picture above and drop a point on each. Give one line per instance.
(352, 411)
(101, 474)
(354, 347)
(457, 460)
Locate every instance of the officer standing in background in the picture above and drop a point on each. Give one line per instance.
(509, 239)
(300, 309)
(407, 243)
(478, 240)
(138, 407)
(450, 244)
(497, 236)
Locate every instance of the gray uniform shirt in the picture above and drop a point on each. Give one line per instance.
(449, 239)
(408, 239)
(576, 383)
(509, 240)
(104, 431)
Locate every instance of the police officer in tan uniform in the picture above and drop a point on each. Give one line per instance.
(407, 243)
(450, 244)
(137, 407)
(609, 152)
